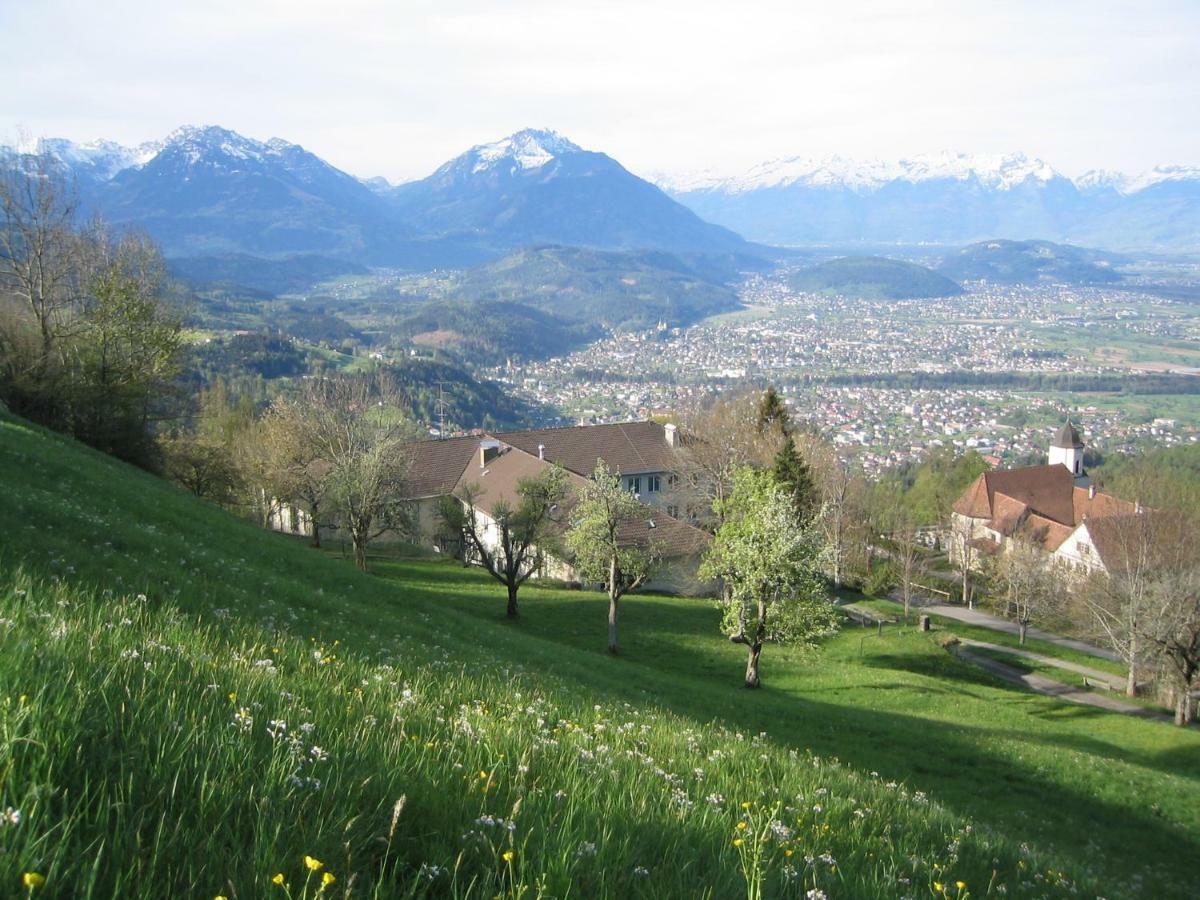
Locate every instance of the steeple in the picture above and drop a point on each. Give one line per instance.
(1067, 449)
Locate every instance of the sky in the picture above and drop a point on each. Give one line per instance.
(396, 88)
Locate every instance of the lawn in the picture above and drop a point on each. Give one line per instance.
(160, 661)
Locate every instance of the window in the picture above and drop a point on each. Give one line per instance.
(635, 484)
(653, 484)
(673, 511)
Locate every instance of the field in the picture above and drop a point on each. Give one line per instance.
(191, 706)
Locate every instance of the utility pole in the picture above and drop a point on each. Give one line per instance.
(441, 411)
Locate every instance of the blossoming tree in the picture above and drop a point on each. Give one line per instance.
(768, 562)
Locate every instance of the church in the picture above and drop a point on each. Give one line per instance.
(1053, 505)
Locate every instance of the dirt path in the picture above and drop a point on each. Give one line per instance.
(1113, 682)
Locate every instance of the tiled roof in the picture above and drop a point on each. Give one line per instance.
(500, 478)
(1048, 490)
(435, 466)
(631, 447)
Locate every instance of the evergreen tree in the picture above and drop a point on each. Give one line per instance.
(794, 476)
(772, 414)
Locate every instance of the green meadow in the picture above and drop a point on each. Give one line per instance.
(192, 707)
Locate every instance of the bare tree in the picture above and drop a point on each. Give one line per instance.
(341, 443)
(840, 514)
(1028, 582)
(716, 441)
(909, 559)
(39, 247)
(1169, 622)
(965, 555)
(510, 542)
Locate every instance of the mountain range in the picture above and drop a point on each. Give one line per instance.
(209, 191)
(948, 198)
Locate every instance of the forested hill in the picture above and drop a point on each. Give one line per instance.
(874, 278)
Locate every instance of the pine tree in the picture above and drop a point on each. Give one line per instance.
(772, 414)
(793, 475)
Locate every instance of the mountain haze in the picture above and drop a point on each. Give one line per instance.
(948, 198)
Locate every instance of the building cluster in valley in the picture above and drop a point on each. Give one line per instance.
(836, 360)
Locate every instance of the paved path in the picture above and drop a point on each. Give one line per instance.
(1095, 676)
(995, 623)
(1041, 685)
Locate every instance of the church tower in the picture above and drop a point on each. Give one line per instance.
(1067, 450)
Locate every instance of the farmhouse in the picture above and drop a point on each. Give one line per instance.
(494, 465)
(1054, 505)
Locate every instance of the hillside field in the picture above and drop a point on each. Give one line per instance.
(192, 706)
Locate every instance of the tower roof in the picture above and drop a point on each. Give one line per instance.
(1067, 437)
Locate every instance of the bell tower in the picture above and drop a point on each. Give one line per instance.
(1067, 450)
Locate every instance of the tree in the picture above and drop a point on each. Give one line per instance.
(768, 564)
(772, 414)
(1169, 622)
(126, 349)
(39, 248)
(353, 443)
(292, 459)
(509, 542)
(910, 561)
(715, 442)
(793, 474)
(965, 555)
(840, 496)
(610, 541)
(1028, 583)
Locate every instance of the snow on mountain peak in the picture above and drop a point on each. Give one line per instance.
(1000, 172)
(529, 149)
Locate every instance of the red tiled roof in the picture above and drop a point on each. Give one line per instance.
(435, 466)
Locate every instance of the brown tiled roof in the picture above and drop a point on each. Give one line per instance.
(1049, 534)
(631, 447)
(1007, 514)
(499, 479)
(1048, 490)
(435, 466)
(1100, 506)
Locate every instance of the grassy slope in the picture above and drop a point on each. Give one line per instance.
(135, 776)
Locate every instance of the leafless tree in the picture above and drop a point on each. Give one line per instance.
(1169, 623)
(909, 559)
(965, 555)
(1023, 571)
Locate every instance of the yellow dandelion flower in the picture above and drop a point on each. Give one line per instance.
(746, 804)
(741, 826)
(328, 878)
(33, 880)
(313, 864)
(232, 696)
(938, 886)
(508, 855)
(482, 774)
(788, 852)
(220, 897)
(737, 842)
(278, 879)
(961, 885)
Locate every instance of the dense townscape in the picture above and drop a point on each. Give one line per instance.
(806, 344)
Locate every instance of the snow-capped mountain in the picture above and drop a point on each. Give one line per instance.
(538, 187)
(947, 198)
(995, 172)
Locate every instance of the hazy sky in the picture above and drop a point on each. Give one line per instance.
(396, 88)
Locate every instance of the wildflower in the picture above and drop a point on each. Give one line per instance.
(641, 871)
(10, 816)
(220, 897)
(938, 886)
(278, 879)
(328, 878)
(313, 864)
(508, 855)
(741, 826)
(33, 880)
(746, 804)
(961, 885)
(737, 842)
(816, 894)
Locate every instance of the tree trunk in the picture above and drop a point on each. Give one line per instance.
(316, 533)
(1183, 702)
(360, 552)
(1022, 627)
(1131, 676)
(512, 600)
(753, 652)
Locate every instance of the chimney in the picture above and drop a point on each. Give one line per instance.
(541, 451)
(488, 450)
(670, 433)
(1091, 492)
